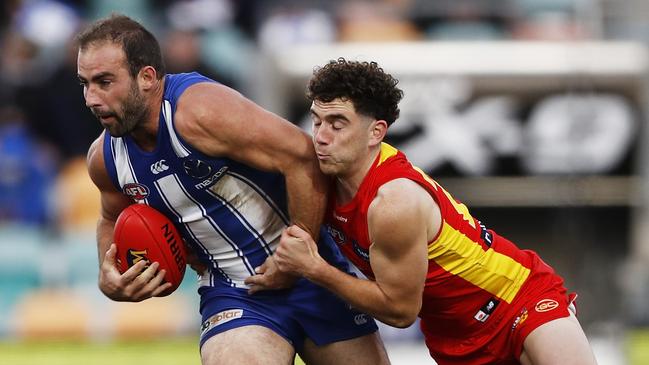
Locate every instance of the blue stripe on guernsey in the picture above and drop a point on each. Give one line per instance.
(194, 217)
(261, 192)
(204, 250)
(248, 226)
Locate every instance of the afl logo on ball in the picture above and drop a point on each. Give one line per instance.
(136, 191)
(197, 169)
(546, 305)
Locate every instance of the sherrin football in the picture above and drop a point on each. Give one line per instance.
(143, 233)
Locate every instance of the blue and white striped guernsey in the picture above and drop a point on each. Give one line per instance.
(231, 214)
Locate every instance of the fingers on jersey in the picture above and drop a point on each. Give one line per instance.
(297, 253)
(269, 277)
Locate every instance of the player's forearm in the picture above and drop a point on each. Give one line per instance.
(364, 295)
(105, 229)
(307, 196)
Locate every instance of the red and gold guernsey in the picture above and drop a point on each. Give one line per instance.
(477, 280)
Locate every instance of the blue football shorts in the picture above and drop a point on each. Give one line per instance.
(306, 310)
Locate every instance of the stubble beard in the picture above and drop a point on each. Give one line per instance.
(134, 113)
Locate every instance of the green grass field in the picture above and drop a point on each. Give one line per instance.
(155, 352)
(176, 352)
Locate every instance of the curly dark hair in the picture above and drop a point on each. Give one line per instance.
(140, 46)
(372, 91)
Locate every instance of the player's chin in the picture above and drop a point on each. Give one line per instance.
(328, 168)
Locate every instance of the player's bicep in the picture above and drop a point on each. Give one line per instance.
(219, 121)
(112, 200)
(399, 255)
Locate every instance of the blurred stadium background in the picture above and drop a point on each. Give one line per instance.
(533, 112)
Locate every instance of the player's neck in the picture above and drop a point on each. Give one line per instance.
(146, 134)
(347, 185)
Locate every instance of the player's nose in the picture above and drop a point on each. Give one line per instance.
(321, 136)
(91, 98)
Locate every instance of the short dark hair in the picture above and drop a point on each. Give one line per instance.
(372, 91)
(140, 46)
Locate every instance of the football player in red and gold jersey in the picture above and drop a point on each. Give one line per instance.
(481, 299)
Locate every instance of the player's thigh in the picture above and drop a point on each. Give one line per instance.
(364, 350)
(560, 341)
(253, 345)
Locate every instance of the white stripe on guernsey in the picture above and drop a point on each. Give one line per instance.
(205, 231)
(125, 172)
(261, 192)
(178, 147)
(209, 279)
(252, 210)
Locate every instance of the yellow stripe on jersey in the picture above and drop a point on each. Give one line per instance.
(459, 207)
(489, 270)
(387, 151)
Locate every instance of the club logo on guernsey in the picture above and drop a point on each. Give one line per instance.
(197, 168)
(546, 305)
(136, 191)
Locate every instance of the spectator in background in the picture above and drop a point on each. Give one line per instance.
(27, 171)
(57, 112)
(182, 50)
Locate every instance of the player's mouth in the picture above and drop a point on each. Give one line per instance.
(104, 118)
(323, 156)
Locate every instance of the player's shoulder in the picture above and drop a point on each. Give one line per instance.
(96, 151)
(95, 163)
(400, 191)
(399, 200)
(205, 103)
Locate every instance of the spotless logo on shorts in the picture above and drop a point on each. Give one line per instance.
(546, 305)
(220, 318)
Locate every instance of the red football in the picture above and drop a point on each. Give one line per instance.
(143, 233)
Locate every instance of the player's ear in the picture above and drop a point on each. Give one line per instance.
(147, 77)
(378, 130)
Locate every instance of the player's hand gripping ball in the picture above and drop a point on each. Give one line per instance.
(143, 233)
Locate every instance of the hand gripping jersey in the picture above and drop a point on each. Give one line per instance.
(231, 214)
(476, 279)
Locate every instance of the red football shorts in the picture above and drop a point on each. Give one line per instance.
(545, 300)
